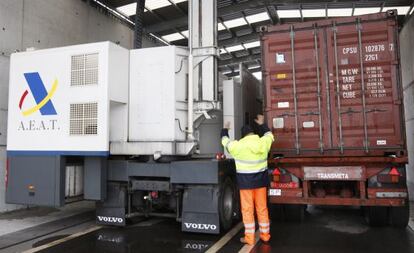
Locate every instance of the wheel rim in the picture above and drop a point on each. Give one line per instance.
(228, 203)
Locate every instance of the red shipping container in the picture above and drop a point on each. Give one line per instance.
(333, 87)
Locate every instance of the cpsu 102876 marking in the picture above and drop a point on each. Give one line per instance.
(41, 96)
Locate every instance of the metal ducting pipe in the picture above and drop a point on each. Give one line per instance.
(190, 129)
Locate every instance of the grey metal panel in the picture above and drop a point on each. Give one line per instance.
(410, 150)
(3, 206)
(95, 178)
(148, 169)
(210, 140)
(117, 170)
(407, 72)
(3, 127)
(195, 172)
(407, 54)
(150, 185)
(44, 173)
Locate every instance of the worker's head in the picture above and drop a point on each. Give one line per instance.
(246, 130)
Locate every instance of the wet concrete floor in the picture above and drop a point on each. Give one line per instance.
(325, 229)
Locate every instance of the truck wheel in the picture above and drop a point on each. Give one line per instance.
(377, 216)
(295, 213)
(400, 216)
(227, 204)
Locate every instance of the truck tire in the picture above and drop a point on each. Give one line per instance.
(400, 216)
(377, 216)
(294, 213)
(227, 204)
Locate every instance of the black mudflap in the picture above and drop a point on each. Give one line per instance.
(112, 210)
(200, 210)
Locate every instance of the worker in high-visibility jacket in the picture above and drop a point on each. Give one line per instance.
(250, 155)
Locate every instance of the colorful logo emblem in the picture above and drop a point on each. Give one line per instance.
(41, 96)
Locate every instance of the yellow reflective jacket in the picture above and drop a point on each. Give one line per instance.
(250, 153)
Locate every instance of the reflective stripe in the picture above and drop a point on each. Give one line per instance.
(268, 133)
(249, 231)
(249, 225)
(264, 230)
(251, 171)
(264, 224)
(251, 162)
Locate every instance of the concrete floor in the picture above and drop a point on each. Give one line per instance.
(26, 218)
(325, 229)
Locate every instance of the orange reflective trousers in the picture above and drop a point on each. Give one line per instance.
(252, 199)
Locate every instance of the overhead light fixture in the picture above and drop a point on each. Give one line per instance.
(257, 17)
(173, 37)
(340, 12)
(156, 4)
(288, 13)
(254, 66)
(185, 33)
(223, 51)
(235, 22)
(258, 75)
(235, 48)
(314, 13)
(363, 11)
(178, 1)
(401, 10)
(252, 44)
(220, 27)
(128, 10)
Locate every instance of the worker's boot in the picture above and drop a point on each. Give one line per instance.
(265, 237)
(248, 239)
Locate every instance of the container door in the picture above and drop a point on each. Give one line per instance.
(295, 75)
(364, 86)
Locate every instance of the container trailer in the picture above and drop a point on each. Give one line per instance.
(334, 101)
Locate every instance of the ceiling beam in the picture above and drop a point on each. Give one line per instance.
(237, 60)
(255, 4)
(236, 73)
(238, 40)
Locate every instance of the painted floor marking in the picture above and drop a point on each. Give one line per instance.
(227, 237)
(54, 243)
(247, 248)
(411, 224)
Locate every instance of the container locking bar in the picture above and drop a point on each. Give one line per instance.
(338, 92)
(364, 107)
(295, 102)
(315, 35)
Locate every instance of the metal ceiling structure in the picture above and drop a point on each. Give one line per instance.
(238, 43)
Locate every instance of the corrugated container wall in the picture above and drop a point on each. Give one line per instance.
(333, 87)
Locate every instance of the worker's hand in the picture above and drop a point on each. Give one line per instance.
(259, 119)
(227, 125)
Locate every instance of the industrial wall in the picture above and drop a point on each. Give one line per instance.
(44, 24)
(407, 64)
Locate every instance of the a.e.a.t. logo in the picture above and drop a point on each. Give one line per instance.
(43, 104)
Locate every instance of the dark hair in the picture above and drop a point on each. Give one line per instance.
(246, 129)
